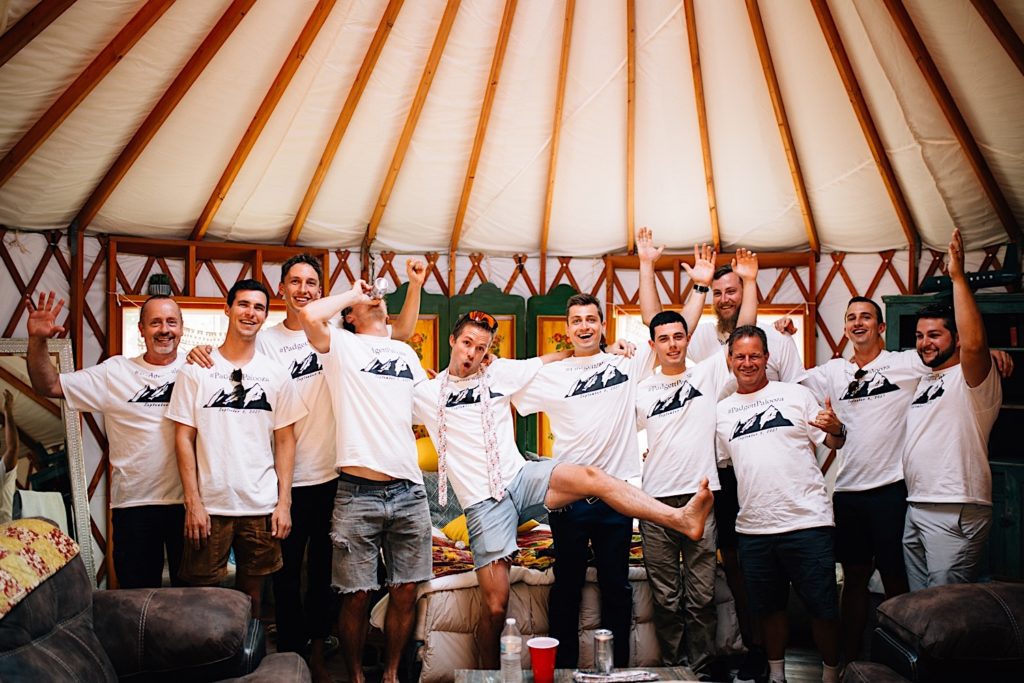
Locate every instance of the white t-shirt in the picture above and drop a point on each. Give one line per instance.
(678, 413)
(467, 456)
(133, 397)
(946, 454)
(875, 414)
(784, 363)
(591, 403)
(235, 430)
(371, 381)
(314, 434)
(771, 444)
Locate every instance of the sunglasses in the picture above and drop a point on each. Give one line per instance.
(484, 319)
(855, 384)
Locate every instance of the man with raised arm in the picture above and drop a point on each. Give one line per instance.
(676, 405)
(381, 504)
(466, 411)
(235, 444)
(132, 394)
(769, 431)
(945, 457)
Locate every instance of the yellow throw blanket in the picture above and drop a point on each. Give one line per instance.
(31, 551)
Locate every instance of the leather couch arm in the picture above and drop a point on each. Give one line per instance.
(195, 634)
(275, 668)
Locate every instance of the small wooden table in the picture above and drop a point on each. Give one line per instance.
(675, 673)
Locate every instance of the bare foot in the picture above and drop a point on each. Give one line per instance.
(693, 515)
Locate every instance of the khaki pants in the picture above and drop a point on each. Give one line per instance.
(684, 590)
(944, 542)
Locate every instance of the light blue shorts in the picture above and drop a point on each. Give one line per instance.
(492, 523)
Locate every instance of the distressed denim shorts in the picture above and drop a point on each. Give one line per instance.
(492, 523)
(391, 517)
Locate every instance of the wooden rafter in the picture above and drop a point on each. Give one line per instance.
(702, 120)
(106, 60)
(956, 121)
(23, 388)
(481, 132)
(788, 145)
(556, 133)
(871, 135)
(418, 100)
(387, 21)
(168, 101)
(29, 26)
(1003, 31)
(630, 125)
(277, 89)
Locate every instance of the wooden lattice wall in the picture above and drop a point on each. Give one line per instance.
(40, 261)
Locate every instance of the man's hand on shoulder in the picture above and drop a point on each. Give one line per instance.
(200, 355)
(621, 347)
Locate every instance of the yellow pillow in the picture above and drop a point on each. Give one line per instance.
(427, 454)
(456, 529)
(527, 525)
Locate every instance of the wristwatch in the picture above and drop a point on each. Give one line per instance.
(702, 289)
(842, 432)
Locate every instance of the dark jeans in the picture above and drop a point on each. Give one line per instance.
(609, 534)
(298, 621)
(141, 536)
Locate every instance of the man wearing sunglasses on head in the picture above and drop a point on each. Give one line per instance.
(236, 451)
(381, 504)
(466, 410)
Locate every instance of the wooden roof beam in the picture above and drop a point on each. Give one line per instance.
(871, 135)
(953, 116)
(702, 120)
(168, 101)
(556, 133)
(418, 100)
(387, 21)
(630, 126)
(29, 26)
(277, 89)
(481, 132)
(23, 388)
(1003, 31)
(788, 145)
(107, 59)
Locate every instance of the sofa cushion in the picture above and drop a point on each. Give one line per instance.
(870, 672)
(49, 635)
(979, 622)
(31, 551)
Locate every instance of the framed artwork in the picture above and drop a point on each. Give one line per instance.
(551, 337)
(424, 341)
(504, 344)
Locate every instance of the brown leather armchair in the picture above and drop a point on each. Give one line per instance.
(63, 630)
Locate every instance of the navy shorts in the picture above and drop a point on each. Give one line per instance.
(804, 558)
(727, 507)
(869, 527)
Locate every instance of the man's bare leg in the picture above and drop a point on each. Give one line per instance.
(317, 662)
(570, 483)
(397, 627)
(494, 590)
(253, 587)
(352, 632)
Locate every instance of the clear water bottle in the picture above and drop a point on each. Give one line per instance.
(511, 653)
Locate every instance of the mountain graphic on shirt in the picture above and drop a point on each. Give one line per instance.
(675, 401)
(241, 398)
(930, 394)
(395, 367)
(608, 376)
(764, 420)
(467, 396)
(309, 365)
(148, 394)
(872, 385)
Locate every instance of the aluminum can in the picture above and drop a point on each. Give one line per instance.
(380, 288)
(604, 657)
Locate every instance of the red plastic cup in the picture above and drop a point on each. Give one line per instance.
(542, 658)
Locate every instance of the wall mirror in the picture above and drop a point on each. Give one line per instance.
(48, 477)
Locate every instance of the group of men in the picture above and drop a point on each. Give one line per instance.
(301, 435)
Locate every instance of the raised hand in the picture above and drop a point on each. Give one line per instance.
(785, 325)
(703, 269)
(956, 255)
(645, 248)
(416, 271)
(826, 420)
(745, 265)
(42, 319)
(362, 289)
(8, 401)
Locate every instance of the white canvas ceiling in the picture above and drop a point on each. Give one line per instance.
(163, 193)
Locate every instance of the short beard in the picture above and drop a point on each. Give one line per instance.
(940, 358)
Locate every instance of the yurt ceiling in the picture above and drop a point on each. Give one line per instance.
(540, 126)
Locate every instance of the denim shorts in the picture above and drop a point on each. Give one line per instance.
(492, 523)
(390, 517)
(771, 562)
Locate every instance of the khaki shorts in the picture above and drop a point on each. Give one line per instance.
(257, 553)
